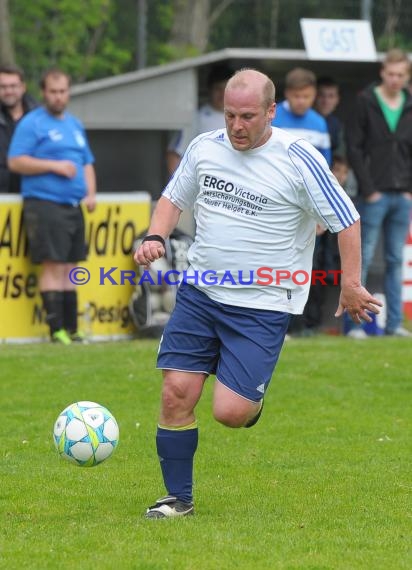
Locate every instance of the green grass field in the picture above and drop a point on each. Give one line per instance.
(322, 482)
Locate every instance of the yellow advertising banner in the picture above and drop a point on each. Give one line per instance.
(103, 298)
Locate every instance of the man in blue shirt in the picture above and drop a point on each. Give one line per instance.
(50, 150)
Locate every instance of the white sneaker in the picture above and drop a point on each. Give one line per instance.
(358, 334)
(401, 332)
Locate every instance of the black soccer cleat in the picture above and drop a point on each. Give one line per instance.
(255, 419)
(169, 507)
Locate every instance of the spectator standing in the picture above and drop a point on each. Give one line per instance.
(295, 113)
(50, 150)
(326, 101)
(379, 147)
(14, 103)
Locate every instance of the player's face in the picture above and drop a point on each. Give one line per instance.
(248, 119)
(395, 77)
(300, 100)
(327, 100)
(56, 94)
(12, 90)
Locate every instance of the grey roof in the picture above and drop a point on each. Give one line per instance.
(189, 63)
(263, 57)
(166, 96)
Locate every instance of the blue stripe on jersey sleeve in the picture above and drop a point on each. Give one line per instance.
(336, 201)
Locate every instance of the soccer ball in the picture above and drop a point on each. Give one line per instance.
(85, 433)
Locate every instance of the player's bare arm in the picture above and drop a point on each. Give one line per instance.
(354, 298)
(164, 220)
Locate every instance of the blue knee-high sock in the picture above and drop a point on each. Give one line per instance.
(176, 449)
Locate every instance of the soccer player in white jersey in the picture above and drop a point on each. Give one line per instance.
(257, 194)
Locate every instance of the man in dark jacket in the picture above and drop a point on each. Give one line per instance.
(14, 103)
(379, 148)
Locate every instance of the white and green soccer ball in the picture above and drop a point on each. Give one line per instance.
(86, 433)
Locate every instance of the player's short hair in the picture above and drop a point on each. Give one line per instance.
(299, 77)
(269, 93)
(396, 55)
(13, 70)
(52, 72)
(269, 90)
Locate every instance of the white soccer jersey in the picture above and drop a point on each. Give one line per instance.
(256, 214)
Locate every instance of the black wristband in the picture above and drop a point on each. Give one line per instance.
(154, 237)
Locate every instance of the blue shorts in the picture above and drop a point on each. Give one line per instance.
(240, 345)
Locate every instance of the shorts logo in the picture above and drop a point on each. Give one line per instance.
(261, 388)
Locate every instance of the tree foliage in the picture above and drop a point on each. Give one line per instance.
(98, 38)
(77, 36)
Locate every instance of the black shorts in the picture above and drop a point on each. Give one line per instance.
(55, 231)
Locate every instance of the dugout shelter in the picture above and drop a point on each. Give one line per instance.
(130, 117)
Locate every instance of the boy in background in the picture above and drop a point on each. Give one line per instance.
(295, 113)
